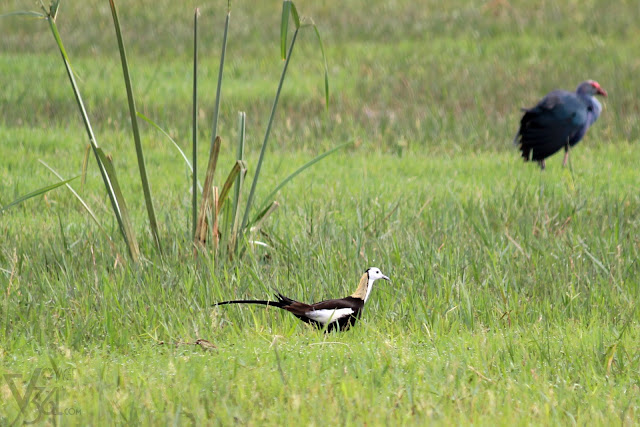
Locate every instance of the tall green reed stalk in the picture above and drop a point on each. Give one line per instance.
(194, 121)
(134, 126)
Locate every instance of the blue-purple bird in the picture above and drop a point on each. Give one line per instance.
(559, 120)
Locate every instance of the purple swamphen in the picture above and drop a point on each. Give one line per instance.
(560, 120)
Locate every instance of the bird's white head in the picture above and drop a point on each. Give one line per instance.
(374, 274)
(366, 283)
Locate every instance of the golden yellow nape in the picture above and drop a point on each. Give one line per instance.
(361, 291)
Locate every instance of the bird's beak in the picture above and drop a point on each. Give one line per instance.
(386, 278)
(601, 92)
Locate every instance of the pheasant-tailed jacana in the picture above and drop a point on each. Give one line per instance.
(331, 314)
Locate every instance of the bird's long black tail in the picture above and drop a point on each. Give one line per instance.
(282, 301)
(278, 304)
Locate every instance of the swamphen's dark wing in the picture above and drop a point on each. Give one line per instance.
(552, 124)
(560, 120)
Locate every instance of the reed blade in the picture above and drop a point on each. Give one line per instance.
(153, 224)
(206, 202)
(237, 194)
(194, 130)
(233, 238)
(35, 193)
(231, 179)
(326, 67)
(284, 28)
(216, 110)
(24, 13)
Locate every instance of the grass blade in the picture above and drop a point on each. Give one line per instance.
(233, 175)
(294, 15)
(24, 13)
(284, 27)
(326, 67)
(216, 110)
(134, 126)
(215, 236)
(194, 130)
(206, 203)
(35, 193)
(240, 179)
(233, 239)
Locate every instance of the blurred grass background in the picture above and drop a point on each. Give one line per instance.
(446, 77)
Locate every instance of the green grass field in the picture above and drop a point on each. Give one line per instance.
(514, 294)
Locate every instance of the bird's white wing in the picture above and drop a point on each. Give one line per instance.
(325, 316)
